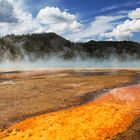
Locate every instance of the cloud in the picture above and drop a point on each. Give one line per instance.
(7, 12)
(117, 6)
(135, 14)
(53, 15)
(49, 19)
(57, 20)
(99, 25)
(109, 8)
(26, 23)
(126, 30)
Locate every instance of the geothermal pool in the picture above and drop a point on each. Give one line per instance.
(78, 103)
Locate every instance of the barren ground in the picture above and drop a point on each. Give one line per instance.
(27, 94)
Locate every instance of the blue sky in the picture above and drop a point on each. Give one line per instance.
(77, 20)
(86, 9)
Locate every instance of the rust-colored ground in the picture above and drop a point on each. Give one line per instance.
(100, 119)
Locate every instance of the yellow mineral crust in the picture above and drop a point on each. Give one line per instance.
(98, 120)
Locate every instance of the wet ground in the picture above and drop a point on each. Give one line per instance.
(30, 93)
(132, 133)
(104, 118)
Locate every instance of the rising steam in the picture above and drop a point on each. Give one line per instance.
(57, 62)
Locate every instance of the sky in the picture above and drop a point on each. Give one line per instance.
(76, 20)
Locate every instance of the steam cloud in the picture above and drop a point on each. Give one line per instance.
(57, 62)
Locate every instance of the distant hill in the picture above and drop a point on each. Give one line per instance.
(42, 45)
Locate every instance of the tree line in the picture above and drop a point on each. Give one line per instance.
(35, 46)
